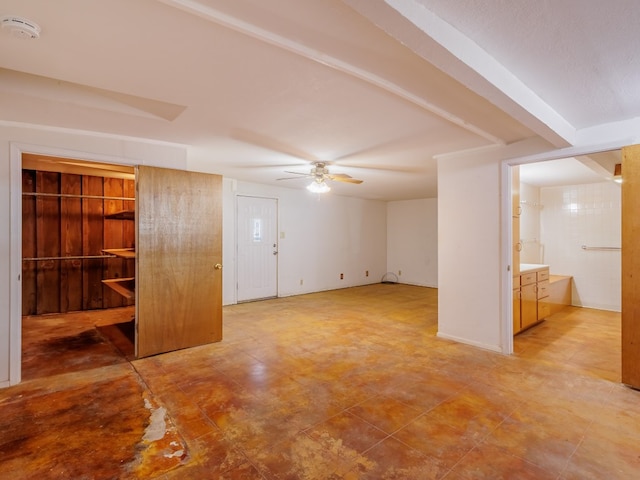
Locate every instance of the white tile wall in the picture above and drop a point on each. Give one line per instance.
(572, 216)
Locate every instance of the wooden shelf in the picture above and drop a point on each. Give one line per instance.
(121, 215)
(124, 286)
(121, 252)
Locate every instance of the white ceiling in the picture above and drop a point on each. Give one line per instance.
(377, 88)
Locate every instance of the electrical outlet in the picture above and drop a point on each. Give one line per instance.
(366, 274)
(342, 276)
(301, 281)
(399, 272)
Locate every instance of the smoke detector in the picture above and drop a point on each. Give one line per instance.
(20, 27)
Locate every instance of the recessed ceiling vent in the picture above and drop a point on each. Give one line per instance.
(20, 27)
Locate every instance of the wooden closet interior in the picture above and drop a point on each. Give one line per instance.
(73, 242)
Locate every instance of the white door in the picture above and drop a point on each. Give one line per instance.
(257, 239)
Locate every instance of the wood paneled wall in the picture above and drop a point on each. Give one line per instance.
(62, 226)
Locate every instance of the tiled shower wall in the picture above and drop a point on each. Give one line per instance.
(584, 215)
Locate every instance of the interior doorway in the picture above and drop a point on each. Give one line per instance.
(257, 248)
(569, 218)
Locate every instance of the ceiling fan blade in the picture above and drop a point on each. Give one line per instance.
(339, 175)
(346, 180)
(300, 175)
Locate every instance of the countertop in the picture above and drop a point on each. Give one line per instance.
(532, 267)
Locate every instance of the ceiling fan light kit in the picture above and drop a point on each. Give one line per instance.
(318, 186)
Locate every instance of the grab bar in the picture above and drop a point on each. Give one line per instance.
(584, 247)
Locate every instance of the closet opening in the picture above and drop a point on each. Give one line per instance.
(78, 265)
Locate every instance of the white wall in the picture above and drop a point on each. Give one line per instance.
(17, 138)
(412, 241)
(590, 215)
(229, 187)
(5, 264)
(469, 251)
(321, 236)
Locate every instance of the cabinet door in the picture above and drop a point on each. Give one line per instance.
(544, 309)
(179, 257)
(529, 305)
(517, 326)
(543, 289)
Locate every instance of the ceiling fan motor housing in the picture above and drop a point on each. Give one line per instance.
(320, 170)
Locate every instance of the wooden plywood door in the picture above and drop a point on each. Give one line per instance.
(631, 266)
(178, 245)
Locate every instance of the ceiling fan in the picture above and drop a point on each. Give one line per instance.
(320, 174)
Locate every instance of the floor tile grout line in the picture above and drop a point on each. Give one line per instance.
(568, 461)
(542, 467)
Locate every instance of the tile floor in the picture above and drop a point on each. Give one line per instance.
(346, 384)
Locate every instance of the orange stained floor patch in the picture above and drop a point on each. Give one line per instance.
(82, 411)
(91, 425)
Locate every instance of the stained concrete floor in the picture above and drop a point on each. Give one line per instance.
(347, 384)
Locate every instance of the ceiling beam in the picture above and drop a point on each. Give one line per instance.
(451, 51)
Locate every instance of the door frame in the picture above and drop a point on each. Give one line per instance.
(506, 237)
(237, 222)
(16, 149)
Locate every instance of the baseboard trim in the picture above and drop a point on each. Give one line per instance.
(484, 346)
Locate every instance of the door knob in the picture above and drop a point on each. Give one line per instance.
(218, 266)
(275, 253)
